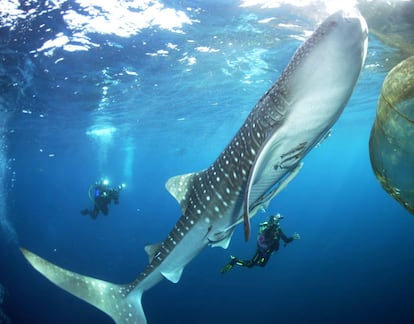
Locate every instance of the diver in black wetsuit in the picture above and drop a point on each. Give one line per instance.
(101, 196)
(268, 240)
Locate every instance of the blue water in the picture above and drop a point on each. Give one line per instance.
(139, 106)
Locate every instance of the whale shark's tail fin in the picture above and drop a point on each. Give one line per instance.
(115, 300)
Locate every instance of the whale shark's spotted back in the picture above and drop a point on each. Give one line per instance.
(292, 117)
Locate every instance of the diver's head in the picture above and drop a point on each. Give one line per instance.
(274, 219)
(102, 182)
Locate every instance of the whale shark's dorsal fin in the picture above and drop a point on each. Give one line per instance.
(151, 250)
(178, 187)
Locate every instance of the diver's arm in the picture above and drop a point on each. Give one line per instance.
(115, 196)
(285, 239)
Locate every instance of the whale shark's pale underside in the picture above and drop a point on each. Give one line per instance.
(293, 116)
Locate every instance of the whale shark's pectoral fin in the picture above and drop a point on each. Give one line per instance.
(261, 159)
(178, 187)
(263, 202)
(289, 160)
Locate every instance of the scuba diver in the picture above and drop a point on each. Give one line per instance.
(101, 195)
(268, 240)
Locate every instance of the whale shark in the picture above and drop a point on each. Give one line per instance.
(292, 117)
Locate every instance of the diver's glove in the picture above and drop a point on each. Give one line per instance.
(296, 236)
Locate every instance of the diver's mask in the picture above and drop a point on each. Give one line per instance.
(274, 219)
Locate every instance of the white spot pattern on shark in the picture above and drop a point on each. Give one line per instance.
(292, 117)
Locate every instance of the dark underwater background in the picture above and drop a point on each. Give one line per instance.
(139, 91)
